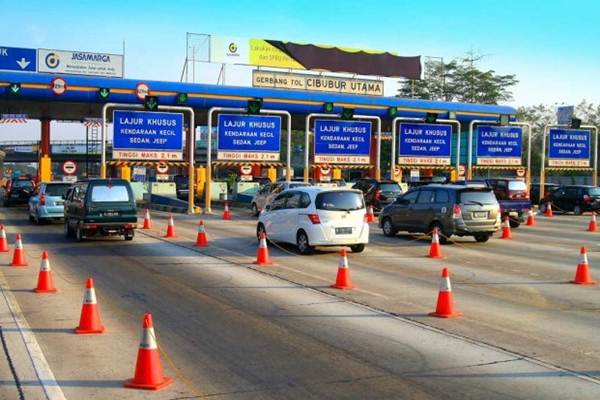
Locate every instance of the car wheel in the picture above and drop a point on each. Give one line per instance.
(443, 235)
(31, 218)
(260, 228)
(357, 248)
(255, 210)
(577, 210)
(79, 233)
(302, 243)
(129, 234)
(388, 227)
(513, 223)
(482, 238)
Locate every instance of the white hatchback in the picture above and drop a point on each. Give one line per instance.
(315, 216)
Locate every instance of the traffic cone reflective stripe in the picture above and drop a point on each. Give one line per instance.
(342, 280)
(147, 220)
(201, 240)
(506, 234)
(18, 259)
(582, 275)
(262, 255)
(170, 228)
(226, 212)
(548, 212)
(530, 218)
(445, 302)
(148, 368)
(370, 215)
(45, 283)
(593, 226)
(89, 322)
(435, 250)
(3, 240)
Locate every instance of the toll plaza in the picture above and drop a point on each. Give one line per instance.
(274, 114)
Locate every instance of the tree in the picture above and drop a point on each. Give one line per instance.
(460, 80)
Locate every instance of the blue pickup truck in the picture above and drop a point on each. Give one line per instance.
(513, 197)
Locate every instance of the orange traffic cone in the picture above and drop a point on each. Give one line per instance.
(593, 226)
(18, 259)
(45, 283)
(530, 218)
(435, 250)
(3, 241)
(582, 276)
(226, 212)
(262, 255)
(148, 368)
(370, 215)
(445, 302)
(147, 220)
(90, 314)
(170, 228)
(342, 281)
(506, 234)
(201, 240)
(548, 212)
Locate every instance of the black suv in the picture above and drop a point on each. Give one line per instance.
(453, 209)
(378, 193)
(18, 191)
(576, 198)
(100, 207)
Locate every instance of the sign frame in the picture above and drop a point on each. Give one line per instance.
(574, 162)
(499, 161)
(244, 155)
(425, 160)
(337, 158)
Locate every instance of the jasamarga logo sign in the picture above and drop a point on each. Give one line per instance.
(80, 63)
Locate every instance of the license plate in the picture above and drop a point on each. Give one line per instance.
(480, 214)
(14, 196)
(343, 231)
(59, 203)
(110, 213)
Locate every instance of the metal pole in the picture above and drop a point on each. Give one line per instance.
(543, 163)
(470, 145)
(378, 158)
(307, 140)
(528, 174)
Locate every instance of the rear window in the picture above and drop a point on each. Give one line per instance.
(295, 185)
(390, 187)
(339, 201)
(112, 193)
(22, 184)
(517, 185)
(477, 197)
(56, 189)
(594, 191)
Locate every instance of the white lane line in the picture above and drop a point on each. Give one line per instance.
(40, 365)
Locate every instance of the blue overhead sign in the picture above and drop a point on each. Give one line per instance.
(499, 145)
(142, 135)
(248, 137)
(424, 144)
(18, 59)
(569, 148)
(338, 141)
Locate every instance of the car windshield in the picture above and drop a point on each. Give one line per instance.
(56, 189)
(23, 184)
(517, 185)
(477, 197)
(110, 193)
(339, 201)
(390, 187)
(594, 191)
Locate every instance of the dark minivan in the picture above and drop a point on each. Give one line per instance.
(576, 198)
(378, 193)
(100, 207)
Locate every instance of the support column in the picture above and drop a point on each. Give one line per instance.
(45, 162)
(373, 158)
(256, 170)
(272, 174)
(200, 180)
(125, 172)
(337, 173)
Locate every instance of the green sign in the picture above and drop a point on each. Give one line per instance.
(328, 107)
(347, 113)
(14, 88)
(392, 112)
(431, 118)
(103, 93)
(254, 105)
(182, 98)
(151, 103)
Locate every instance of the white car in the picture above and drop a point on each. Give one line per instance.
(268, 192)
(315, 216)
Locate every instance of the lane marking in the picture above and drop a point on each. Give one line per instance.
(39, 362)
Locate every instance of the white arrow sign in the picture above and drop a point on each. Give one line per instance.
(23, 63)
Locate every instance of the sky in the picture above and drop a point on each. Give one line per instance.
(552, 46)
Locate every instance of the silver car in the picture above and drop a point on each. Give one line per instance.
(268, 192)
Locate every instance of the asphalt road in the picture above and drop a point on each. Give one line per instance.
(231, 330)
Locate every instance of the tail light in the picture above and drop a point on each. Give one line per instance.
(314, 218)
(129, 226)
(378, 195)
(42, 200)
(456, 211)
(526, 195)
(587, 199)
